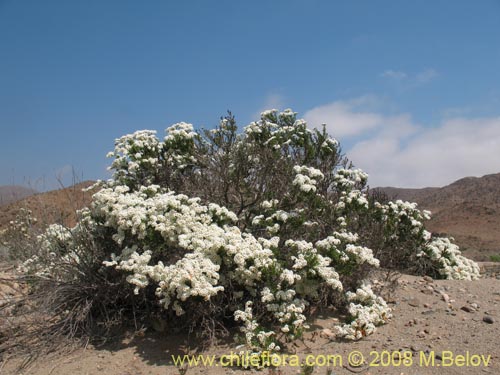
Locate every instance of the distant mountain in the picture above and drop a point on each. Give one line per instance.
(467, 209)
(56, 206)
(12, 193)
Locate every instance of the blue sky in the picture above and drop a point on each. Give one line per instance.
(411, 89)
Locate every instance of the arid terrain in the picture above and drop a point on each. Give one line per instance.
(13, 193)
(56, 206)
(435, 320)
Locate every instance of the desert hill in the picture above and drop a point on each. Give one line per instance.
(12, 193)
(467, 209)
(56, 206)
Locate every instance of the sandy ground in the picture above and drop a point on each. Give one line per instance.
(437, 321)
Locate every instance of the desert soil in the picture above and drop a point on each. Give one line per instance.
(430, 316)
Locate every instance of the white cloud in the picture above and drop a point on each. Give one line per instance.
(345, 118)
(395, 151)
(425, 76)
(409, 81)
(394, 74)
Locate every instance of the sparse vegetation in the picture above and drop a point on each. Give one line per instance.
(495, 258)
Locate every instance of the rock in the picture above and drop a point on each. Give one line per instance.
(327, 334)
(445, 297)
(426, 305)
(467, 309)
(414, 302)
(488, 319)
(475, 305)
(428, 279)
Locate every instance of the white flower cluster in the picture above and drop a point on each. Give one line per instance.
(134, 154)
(452, 264)
(405, 213)
(349, 184)
(348, 179)
(342, 247)
(306, 178)
(181, 130)
(183, 222)
(178, 143)
(352, 199)
(55, 244)
(255, 336)
(445, 255)
(20, 226)
(367, 311)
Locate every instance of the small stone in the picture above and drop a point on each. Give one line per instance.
(414, 302)
(428, 279)
(445, 297)
(474, 305)
(327, 334)
(488, 319)
(426, 305)
(467, 309)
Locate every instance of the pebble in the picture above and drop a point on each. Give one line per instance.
(327, 334)
(445, 297)
(467, 309)
(488, 319)
(421, 334)
(414, 302)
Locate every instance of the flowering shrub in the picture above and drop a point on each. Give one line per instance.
(19, 236)
(214, 228)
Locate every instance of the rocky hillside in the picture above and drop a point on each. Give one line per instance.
(56, 206)
(468, 210)
(12, 193)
